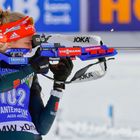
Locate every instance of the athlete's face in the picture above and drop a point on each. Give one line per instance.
(3, 47)
(25, 42)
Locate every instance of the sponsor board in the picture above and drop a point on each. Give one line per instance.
(114, 15)
(49, 15)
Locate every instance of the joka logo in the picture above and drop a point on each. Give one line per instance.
(86, 76)
(81, 39)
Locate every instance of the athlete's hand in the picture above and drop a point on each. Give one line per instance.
(39, 63)
(62, 70)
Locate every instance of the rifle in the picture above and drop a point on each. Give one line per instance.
(82, 47)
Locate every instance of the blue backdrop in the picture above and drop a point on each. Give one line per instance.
(121, 15)
(49, 15)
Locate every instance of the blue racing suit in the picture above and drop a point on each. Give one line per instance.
(23, 115)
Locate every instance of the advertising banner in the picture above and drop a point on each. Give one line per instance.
(119, 15)
(49, 15)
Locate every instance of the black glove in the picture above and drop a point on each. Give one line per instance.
(39, 63)
(61, 72)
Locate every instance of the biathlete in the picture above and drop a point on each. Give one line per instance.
(23, 115)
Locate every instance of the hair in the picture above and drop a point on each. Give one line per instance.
(8, 17)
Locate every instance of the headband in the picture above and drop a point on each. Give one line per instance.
(16, 30)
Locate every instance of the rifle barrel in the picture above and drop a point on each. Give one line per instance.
(127, 49)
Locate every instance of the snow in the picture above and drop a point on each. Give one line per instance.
(84, 107)
(78, 129)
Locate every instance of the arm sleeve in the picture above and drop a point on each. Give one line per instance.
(42, 116)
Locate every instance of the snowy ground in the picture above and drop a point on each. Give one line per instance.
(84, 107)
